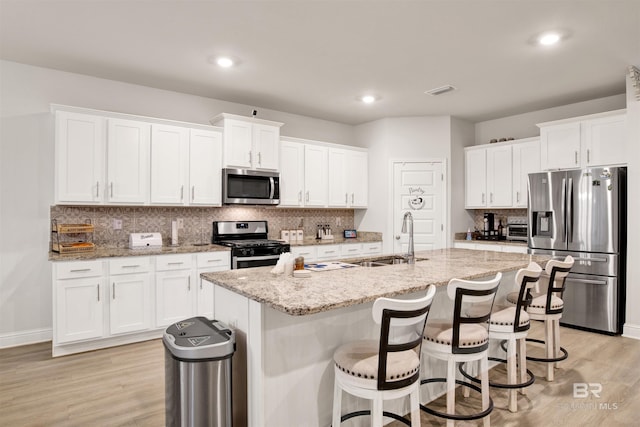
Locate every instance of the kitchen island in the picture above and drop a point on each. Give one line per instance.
(291, 326)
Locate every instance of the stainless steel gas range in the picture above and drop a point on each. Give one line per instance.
(249, 244)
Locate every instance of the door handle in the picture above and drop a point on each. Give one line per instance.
(587, 281)
(272, 184)
(397, 237)
(570, 211)
(563, 210)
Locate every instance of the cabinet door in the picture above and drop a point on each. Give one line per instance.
(79, 309)
(499, 176)
(169, 164)
(604, 141)
(351, 250)
(560, 146)
(475, 178)
(130, 303)
(237, 143)
(373, 248)
(207, 263)
(205, 168)
(328, 252)
(79, 145)
(526, 160)
(309, 253)
(358, 178)
(315, 175)
(266, 144)
(127, 161)
(174, 296)
(337, 178)
(292, 174)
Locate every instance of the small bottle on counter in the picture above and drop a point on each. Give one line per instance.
(468, 233)
(299, 263)
(500, 228)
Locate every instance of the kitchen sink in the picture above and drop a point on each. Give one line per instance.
(387, 260)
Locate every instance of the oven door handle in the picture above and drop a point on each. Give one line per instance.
(256, 258)
(273, 187)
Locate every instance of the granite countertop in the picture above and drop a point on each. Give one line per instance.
(329, 290)
(111, 252)
(363, 237)
(494, 242)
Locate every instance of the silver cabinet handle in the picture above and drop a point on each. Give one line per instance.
(113, 290)
(588, 156)
(300, 195)
(214, 260)
(193, 192)
(587, 281)
(200, 284)
(97, 188)
(346, 198)
(517, 196)
(131, 266)
(307, 196)
(250, 158)
(352, 198)
(329, 252)
(111, 189)
(181, 192)
(576, 156)
(490, 197)
(175, 263)
(79, 270)
(259, 158)
(482, 197)
(98, 292)
(189, 283)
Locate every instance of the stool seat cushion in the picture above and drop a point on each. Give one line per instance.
(360, 359)
(441, 332)
(539, 302)
(507, 316)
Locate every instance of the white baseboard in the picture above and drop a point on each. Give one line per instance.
(25, 337)
(631, 331)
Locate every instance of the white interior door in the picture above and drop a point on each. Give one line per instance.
(418, 187)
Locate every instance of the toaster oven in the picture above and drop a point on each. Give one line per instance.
(517, 232)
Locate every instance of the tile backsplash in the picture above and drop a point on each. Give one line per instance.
(197, 221)
(500, 214)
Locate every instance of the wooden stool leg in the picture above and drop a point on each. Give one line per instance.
(511, 374)
(484, 378)
(415, 408)
(522, 360)
(451, 390)
(376, 412)
(556, 340)
(549, 346)
(337, 404)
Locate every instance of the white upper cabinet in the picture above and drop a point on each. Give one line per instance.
(316, 192)
(496, 174)
(128, 161)
(526, 160)
(205, 168)
(79, 154)
(169, 165)
(249, 142)
(292, 174)
(348, 178)
(594, 140)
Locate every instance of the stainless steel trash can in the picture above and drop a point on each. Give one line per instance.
(197, 362)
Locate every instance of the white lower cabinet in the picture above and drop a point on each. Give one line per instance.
(493, 247)
(350, 250)
(175, 289)
(309, 253)
(329, 252)
(372, 248)
(130, 303)
(121, 300)
(79, 300)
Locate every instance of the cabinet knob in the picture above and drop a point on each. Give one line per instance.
(397, 237)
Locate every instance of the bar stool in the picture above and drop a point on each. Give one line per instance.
(510, 325)
(548, 306)
(464, 338)
(388, 368)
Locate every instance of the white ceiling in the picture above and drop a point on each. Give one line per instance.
(316, 57)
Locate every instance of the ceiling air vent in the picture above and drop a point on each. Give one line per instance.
(440, 90)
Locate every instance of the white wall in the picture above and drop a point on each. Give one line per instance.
(632, 324)
(404, 138)
(26, 171)
(524, 125)
(461, 136)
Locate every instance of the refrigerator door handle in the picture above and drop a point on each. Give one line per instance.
(570, 211)
(594, 259)
(587, 281)
(562, 209)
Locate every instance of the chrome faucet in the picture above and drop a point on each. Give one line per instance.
(407, 226)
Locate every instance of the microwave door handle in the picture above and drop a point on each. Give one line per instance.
(273, 187)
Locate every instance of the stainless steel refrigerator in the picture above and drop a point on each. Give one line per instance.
(582, 213)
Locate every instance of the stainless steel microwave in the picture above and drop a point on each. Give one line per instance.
(250, 187)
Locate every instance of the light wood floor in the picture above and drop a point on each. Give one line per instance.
(124, 386)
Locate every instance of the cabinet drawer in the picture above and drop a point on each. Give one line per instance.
(309, 253)
(350, 250)
(372, 248)
(214, 260)
(329, 252)
(130, 265)
(76, 269)
(173, 262)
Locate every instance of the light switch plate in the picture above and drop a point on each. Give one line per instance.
(117, 224)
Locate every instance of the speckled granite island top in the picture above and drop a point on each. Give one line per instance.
(329, 290)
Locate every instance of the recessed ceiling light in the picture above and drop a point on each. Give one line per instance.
(224, 62)
(548, 39)
(368, 99)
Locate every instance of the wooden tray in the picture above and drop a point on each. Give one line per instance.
(73, 228)
(73, 248)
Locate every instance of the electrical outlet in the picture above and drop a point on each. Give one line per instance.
(180, 223)
(117, 224)
(338, 221)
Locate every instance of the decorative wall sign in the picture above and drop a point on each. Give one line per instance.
(416, 202)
